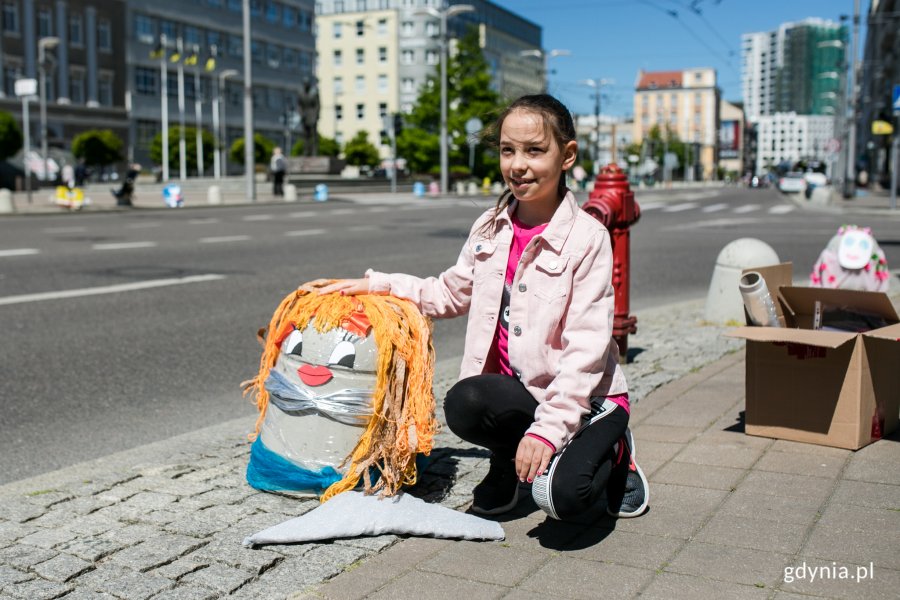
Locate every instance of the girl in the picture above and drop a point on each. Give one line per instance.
(540, 383)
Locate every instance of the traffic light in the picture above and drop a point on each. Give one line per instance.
(398, 123)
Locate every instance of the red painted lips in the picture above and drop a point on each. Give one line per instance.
(315, 375)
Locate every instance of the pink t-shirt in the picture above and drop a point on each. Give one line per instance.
(522, 235)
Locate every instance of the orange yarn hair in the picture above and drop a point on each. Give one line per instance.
(403, 421)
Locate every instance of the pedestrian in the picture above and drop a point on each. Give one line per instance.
(278, 167)
(81, 173)
(67, 176)
(540, 382)
(580, 175)
(125, 194)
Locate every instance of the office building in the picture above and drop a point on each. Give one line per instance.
(783, 139)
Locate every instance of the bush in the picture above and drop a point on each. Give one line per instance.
(262, 150)
(10, 136)
(98, 147)
(190, 142)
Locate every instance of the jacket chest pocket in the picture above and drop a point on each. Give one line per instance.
(551, 278)
(483, 252)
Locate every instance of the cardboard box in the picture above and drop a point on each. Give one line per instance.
(834, 388)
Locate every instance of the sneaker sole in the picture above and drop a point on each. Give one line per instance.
(500, 509)
(643, 507)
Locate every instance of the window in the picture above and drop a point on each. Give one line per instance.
(305, 61)
(289, 17)
(304, 21)
(10, 17)
(273, 12)
(256, 52)
(10, 75)
(338, 85)
(235, 46)
(408, 85)
(360, 85)
(338, 58)
(104, 35)
(338, 112)
(76, 31)
(168, 29)
(407, 29)
(145, 131)
(382, 27)
(273, 55)
(76, 86)
(360, 28)
(256, 8)
(337, 30)
(432, 29)
(105, 89)
(360, 112)
(382, 109)
(382, 83)
(382, 54)
(214, 38)
(172, 85)
(361, 5)
(407, 57)
(45, 22)
(360, 56)
(235, 5)
(145, 81)
(144, 28)
(431, 57)
(191, 36)
(215, 3)
(290, 58)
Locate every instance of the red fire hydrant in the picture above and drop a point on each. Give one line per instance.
(612, 203)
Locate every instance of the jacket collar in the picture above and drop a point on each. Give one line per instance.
(560, 224)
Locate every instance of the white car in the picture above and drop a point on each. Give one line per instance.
(792, 183)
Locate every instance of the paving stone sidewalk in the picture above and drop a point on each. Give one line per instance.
(728, 512)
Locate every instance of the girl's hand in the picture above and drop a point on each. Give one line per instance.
(532, 458)
(348, 287)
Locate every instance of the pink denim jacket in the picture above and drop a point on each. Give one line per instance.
(560, 313)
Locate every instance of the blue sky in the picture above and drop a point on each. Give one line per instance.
(612, 39)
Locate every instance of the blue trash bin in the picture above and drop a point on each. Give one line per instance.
(321, 193)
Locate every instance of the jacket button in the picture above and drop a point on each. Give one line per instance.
(522, 287)
(553, 265)
(517, 330)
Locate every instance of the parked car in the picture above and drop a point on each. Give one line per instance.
(792, 183)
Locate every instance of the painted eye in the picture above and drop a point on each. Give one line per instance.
(293, 343)
(864, 244)
(848, 241)
(344, 354)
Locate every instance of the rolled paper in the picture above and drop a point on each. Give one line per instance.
(757, 300)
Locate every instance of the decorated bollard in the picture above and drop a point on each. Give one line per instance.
(612, 203)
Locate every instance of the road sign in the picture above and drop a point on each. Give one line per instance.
(26, 87)
(896, 99)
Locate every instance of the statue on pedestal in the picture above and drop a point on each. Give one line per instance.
(308, 105)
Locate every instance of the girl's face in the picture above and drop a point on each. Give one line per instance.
(531, 160)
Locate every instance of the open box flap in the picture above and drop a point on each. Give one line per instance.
(802, 301)
(891, 332)
(826, 339)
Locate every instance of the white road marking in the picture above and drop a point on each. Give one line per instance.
(746, 208)
(19, 252)
(207, 221)
(259, 217)
(714, 207)
(782, 209)
(74, 229)
(108, 289)
(302, 214)
(303, 232)
(342, 211)
(143, 225)
(680, 207)
(650, 206)
(377, 209)
(714, 223)
(361, 228)
(123, 245)
(224, 238)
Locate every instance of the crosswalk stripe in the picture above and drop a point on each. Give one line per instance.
(714, 207)
(782, 209)
(680, 207)
(650, 206)
(746, 208)
(259, 217)
(302, 214)
(303, 232)
(342, 211)
(123, 245)
(224, 238)
(208, 221)
(19, 251)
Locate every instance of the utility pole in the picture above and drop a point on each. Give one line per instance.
(249, 142)
(850, 165)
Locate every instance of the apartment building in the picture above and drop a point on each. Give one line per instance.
(375, 55)
(786, 138)
(685, 102)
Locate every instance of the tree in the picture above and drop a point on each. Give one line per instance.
(10, 136)
(657, 143)
(327, 147)
(98, 147)
(469, 94)
(262, 150)
(359, 151)
(190, 142)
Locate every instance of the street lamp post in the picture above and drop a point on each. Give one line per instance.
(248, 107)
(198, 112)
(443, 15)
(545, 56)
(221, 153)
(44, 44)
(597, 84)
(182, 146)
(164, 105)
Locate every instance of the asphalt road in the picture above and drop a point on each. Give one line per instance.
(119, 329)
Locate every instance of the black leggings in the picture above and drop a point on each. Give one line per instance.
(494, 411)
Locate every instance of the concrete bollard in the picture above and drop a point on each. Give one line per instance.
(6, 201)
(472, 188)
(290, 192)
(496, 188)
(214, 195)
(724, 302)
(460, 188)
